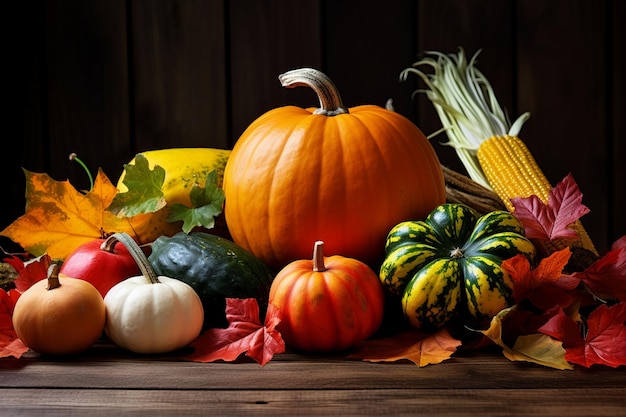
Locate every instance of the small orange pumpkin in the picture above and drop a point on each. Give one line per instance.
(60, 315)
(344, 176)
(328, 303)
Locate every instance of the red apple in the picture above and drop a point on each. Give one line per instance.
(101, 265)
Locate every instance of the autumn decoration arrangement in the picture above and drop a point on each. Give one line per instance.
(329, 230)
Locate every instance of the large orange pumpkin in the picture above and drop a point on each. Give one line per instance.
(344, 176)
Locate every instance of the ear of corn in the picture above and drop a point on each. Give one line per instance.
(489, 148)
(512, 172)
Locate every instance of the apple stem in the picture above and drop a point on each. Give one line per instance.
(138, 255)
(109, 245)
(74, 157)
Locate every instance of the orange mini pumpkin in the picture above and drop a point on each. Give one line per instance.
(327, 303)
(344, 176)
(60, 315)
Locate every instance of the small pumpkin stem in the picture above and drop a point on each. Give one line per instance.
(318, 257)
(457, 253)
(330, 100)
(53, 277)
(137, 254)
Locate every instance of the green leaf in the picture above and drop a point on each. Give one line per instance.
(207, 203)
(144, 193)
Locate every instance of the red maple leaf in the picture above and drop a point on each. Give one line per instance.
(245, 334)
(31, 272)
(605, 339)
(546, 285)
(606, 278)
(10, 344)
(552, 220)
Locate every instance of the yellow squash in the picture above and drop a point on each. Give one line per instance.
(183, 167)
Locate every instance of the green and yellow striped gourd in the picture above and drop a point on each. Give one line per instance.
(448, 266)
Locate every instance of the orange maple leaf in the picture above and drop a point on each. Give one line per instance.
(420, 348)
(544, 286)
(59, 218)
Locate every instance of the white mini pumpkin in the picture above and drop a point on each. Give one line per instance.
(150, 313)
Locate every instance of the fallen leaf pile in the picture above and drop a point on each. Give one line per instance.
(563, 318)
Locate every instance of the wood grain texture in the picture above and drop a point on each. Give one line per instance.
(320, 402)
(107, 79)
(87, 87)
(617, 114)
(473, 383)
(267, 38)
(180, 80)
(24, 117)
(562, 63)
(367, 48)
(482, 27)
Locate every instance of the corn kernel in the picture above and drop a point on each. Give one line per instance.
(513, 172)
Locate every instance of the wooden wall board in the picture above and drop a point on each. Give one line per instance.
(365, 49)
(86, 87)
(107, 79)
(178, 74)
(267, 38)
(482, 27)
(617, 129)
(562, 63)
(24, 118)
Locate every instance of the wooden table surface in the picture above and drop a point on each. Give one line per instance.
(106, 380)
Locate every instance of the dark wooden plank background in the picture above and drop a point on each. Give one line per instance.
(109, 78)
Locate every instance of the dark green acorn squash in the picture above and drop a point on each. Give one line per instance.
(449, 265)
(216, 268)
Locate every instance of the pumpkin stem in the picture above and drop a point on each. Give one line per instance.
(318, 257)
(137, 254)
(457, 253)
(53, 277)
(330, 100)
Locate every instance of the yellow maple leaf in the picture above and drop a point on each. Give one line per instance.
(58, 218)
(535, 348)
(420, 348)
